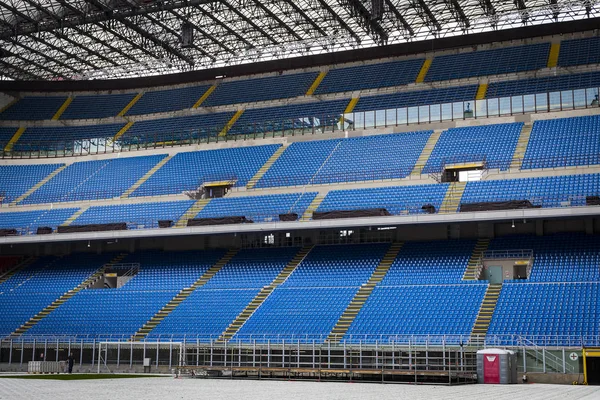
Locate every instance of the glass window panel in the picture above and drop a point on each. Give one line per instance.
(390, 116)
(554, 100)
(541, 102)
(380, 118)
(579, 98)
(446, 111)
(435, 113)
(480, 108)
(458, 110)
(423, 114)
(517, 104)
(359, 120)
(369, 119)
(402, 116)
(413, 115)
(505, 106)
(493, 107)
(567, 99)
(529, 103)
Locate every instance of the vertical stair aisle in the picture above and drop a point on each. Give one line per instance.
(425, 153)
(181, 296)
(57, 303)
(191, 212)
(517, 160)
(310, 210)
(6, 276)
(75, 215)
(38, 185)
(474, 262)
(452, 198)
(265, 292)
(484, 317)
(263, 170)
(343, 324)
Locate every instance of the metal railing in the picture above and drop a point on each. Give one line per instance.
(317, 124)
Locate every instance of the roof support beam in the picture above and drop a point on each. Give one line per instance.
(458, 13)
(249, 22)
(400, 18)
(276, 18)
(431, 19)
(339, 20)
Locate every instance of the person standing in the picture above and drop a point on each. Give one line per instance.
(70, 360)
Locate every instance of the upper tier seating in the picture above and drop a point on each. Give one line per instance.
(121, 312)
(27, 222)
(355, 159)
(260, 89)
(579, 52)
(97, 106)
(15, 180)
(209, 310)
(422, 263)
(557, 258)
(494, 144)
(371, 76)
(137, 216)
(176, 128)
(543, 85)
(61, 138)
(36, 286)
(304, 116)
(33, 108)
(188, 171)
(416, 98)
(418, 310)
(489, 62)
(258, 208)
(373, 158)
(545, 313)
(555, 191)
(397, 200)
(156, 101)
(564, 142)
(91, 180)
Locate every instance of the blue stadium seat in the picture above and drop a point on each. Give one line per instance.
(97, 106)
(156, 101)
(32, 108)
(27, 222)
(65, 138)
(579, 52)
(543, 85)
(15, 180)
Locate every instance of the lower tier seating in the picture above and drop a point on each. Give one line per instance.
(545, 314)
(418, 310)
(16, 180)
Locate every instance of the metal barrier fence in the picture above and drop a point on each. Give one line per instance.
(318, 124)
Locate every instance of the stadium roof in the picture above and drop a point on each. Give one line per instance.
(103, 39)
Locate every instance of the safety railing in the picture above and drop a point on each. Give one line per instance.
(315, 124)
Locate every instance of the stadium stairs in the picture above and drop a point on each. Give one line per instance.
(481, 91)
(203, 98)
(474, 262)
(484, 316)
(11, 143)
(146, 177)
(423, 71)
(130, 104)
(181, 296)
(75, 215)
(310, 210)
(517, 160)
(424, 156)
(452, 198)
(38, 185)
(191, 213)
(553, 55)
(348, 316)
(231, 122)
(263, 170)
(6, 276)
(122, 131)
(311, 90)
(265, 292)
(62, 109)
(58, 302)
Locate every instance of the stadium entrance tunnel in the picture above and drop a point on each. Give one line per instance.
(591, 366)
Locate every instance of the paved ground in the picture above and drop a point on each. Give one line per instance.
(169, 388)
